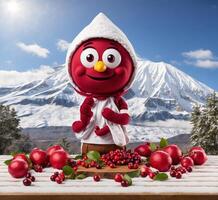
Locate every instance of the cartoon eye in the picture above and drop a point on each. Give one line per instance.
(89, 57)
(111, 58)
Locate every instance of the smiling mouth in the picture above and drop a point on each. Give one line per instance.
(99, 78)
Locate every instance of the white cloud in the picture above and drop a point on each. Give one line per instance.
(206, 63)
(62, 45)
(34, 49)
(201, 58)
(199, 54)
(15, 78)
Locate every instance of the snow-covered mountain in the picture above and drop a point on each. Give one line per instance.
(160, 92)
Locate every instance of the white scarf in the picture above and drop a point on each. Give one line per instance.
(117, 134)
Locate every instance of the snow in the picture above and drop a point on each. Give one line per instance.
(159, 102)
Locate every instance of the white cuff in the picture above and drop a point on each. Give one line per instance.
(124, 111)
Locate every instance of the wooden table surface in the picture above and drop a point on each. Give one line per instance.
(202, 183)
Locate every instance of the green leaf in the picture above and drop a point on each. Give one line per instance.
(101, 163)
(94, 155)
(78, 157)
(134, 174)
(163, 143)
(7, 162)
(81, 176)
(161, 177)
(153, 146)
(128, 179)
(67, 170)
(88, 161)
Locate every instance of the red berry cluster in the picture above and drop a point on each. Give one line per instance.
(146, 171)
(178, 171)
(38, 168)
(58, 177)
(84, 163)
(28, 179)
(122, 157)
(120, 179)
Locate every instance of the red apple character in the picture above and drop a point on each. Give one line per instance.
(101, 65)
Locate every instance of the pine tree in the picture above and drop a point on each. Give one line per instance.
(195, 115)
(9, 127)
(11, 138)
(205, 125)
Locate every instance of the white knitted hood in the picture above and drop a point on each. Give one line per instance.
(101, 27)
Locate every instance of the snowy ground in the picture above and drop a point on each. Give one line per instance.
(50, 115)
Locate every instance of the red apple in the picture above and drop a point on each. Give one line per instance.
(38, 157)
(198, 156)
(160, 160)
(18, 168)
(143, 150)
(187, 162)
(58, 159)
(21, 156)
(175, 153)
(53, 148)
(196, 148)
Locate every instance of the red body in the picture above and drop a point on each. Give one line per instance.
(101, 84)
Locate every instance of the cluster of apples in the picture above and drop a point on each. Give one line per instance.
(162, 159)
(38, 159)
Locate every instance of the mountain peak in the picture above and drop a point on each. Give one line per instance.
(160, 91)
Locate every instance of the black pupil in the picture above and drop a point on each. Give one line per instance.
(89, 57)
(110, 58)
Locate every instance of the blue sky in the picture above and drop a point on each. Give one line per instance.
(183, 33)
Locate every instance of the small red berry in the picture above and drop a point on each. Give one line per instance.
(130, 165)
(135, 166)
(189, 169)
(173, 173)
(27, 182)
(143, 174)
(79, 162)
(58, 180)
(112, 165)
(151, 175)
(118, 177)
(98, 166)
(62, 176)
(96, 178)
(32, 178)
(92, 163)
(56, 173)
(75, 168)
(38, 168)
(52, 177)
(124, 183)
(28, 175)
(178, 175)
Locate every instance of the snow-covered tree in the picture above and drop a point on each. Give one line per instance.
(11, 138)
(205, 125)
(9, 127)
